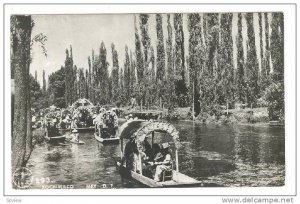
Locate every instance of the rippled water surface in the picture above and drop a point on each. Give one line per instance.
(240, 155)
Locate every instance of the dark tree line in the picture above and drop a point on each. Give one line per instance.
(203, 76)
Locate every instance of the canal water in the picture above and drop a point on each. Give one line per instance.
(221, 155)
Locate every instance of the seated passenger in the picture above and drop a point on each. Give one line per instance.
(164, 163)
(147, 157)
(74, 123)
(74, 136)
(157, 153)
(148, 151)
(52, 129)
(150, 157)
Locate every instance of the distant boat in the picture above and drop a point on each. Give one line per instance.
(80, 142)
(51, 131)
(108, 128)
(276, 123)
(55, 139)
(106, 140)
(139, 131)
(82, 112)
(86, 129)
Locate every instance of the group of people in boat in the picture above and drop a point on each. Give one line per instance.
(154, 161)
(65, 121)
(106, 123)
(74, 136)
(52, 128)
(82, 118)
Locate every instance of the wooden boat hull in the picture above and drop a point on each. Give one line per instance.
(106, 140)
(178, 180)
(80, 142)
(276, 123)
(86, 129)
(56, 139)
(64, 130)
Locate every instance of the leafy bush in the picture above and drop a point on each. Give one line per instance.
(275, 100)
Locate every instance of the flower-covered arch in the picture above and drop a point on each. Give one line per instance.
(150, 127)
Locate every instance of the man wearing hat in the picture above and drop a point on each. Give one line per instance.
(130, 117)
(98, 121)
(75, 135)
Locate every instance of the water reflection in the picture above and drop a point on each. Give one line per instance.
(240, 155)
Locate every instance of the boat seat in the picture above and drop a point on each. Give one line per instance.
(167, 175)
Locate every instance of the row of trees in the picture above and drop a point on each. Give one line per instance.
(204, 75)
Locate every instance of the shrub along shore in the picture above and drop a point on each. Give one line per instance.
(230, 116)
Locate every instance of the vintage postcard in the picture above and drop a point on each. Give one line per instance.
(124, 99)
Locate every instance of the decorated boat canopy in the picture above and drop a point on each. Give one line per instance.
(108, 117)
(127, 130)
(82, 105)
(53, 108)
(52, 117)
(82, 102)
(140, 129)
(87, 110)
(53, 114)
(65, 112)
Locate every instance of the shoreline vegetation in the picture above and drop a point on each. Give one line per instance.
(257, 116)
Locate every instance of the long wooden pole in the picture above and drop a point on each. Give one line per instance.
(152, 139)
(193, 101)
(177, 165)
(121, 148)
(160, 102)
(140, 160)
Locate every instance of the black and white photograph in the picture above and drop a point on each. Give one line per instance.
(137, 100)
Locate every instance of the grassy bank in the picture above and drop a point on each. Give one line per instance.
(255, 115)
(247, 115)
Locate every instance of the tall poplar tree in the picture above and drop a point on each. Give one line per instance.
(275, 92)
(89, 79)
(277, 45)
(139, 63)
(132, 75)
(103, 75)
(251, 63)
(267, 49)
(240, 75)
(170, 62)
(69, 77)
(21, 27)
(35, 75)
(44, 81)
(209, 74)
(127, 73)
(195, 59)
(179, 57)
(225, 60)
(160, 49)
(115, 73)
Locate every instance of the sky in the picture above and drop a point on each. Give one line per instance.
(86, 32)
